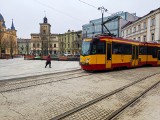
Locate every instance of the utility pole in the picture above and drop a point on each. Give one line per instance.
(102, 11)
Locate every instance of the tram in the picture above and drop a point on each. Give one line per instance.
(106, 52)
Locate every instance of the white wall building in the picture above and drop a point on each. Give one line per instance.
(145, 29)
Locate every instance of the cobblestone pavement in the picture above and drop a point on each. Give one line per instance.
(49, 100)
(18, 67)
(148, 108)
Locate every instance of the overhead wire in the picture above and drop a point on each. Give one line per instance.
(88, 4)
(92, 6)
(48, 6)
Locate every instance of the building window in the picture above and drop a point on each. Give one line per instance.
(34, 45)
(38, 45)
(152, 21)
(139, 27)
(134, 29)
(152, 35)
(144, 38)
(50, 45)
(54, 45)
(139, 38)
(122, 33)
(144, 25)
(44, 31)
(130, 30)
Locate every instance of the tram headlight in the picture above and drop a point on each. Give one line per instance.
(87, 60)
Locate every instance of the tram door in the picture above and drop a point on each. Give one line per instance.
(135, 55)
(108, 55)
(159, 57)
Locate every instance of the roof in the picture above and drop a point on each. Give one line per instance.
(1, 17)
(12, 26)
(129, 23)
(23, 40)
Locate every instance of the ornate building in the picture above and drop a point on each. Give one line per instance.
(8, 39)
(24, 47)
(44, 43)
(145, 29)
(70, 42)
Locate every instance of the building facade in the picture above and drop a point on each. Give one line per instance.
(70, 42)
(45, 42)
(24, 47)
(119, 19)
(145, 29)
(8, 39)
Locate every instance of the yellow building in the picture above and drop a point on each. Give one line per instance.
(8, 39)
(70, 42)
(145, 29)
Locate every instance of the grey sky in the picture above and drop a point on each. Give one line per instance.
(65, 14)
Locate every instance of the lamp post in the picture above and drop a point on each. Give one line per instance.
(102, 11)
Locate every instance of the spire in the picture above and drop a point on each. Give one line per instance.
(12, 27)
(4, 24)
(45, 18)
(1, 17)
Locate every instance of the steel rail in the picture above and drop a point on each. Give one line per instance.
(134, 100)
(85, 105)
(42, 82)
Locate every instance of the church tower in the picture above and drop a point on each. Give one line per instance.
(45, 32)
(44, 42)
(45, 27)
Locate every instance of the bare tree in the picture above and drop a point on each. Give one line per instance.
(12, 46)
(1, 37)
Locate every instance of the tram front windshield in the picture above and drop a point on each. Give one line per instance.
(86, 45)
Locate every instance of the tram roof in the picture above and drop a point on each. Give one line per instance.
(122, 40)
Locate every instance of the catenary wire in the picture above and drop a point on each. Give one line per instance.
(48, 6)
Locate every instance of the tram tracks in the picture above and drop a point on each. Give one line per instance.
(11, 85)
(119, 99)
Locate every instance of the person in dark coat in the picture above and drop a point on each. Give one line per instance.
(48, 61)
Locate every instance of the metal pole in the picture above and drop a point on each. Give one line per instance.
(102, 23)
(102, 11)
(118, 27)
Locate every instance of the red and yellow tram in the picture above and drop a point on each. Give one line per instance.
(105, 53)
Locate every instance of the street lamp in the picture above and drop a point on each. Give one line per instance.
(102, 11)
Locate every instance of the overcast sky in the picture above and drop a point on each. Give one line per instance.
(65, 14)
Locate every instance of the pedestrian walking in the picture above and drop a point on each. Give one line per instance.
(48, 61)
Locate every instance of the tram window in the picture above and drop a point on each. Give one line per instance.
(127, 49)
(119, 48)
(116, 48)
(142, 50)
(108, 51)
(152, 51)
(101, 48)
(94, 49)
(98, 48)
(159, 56)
